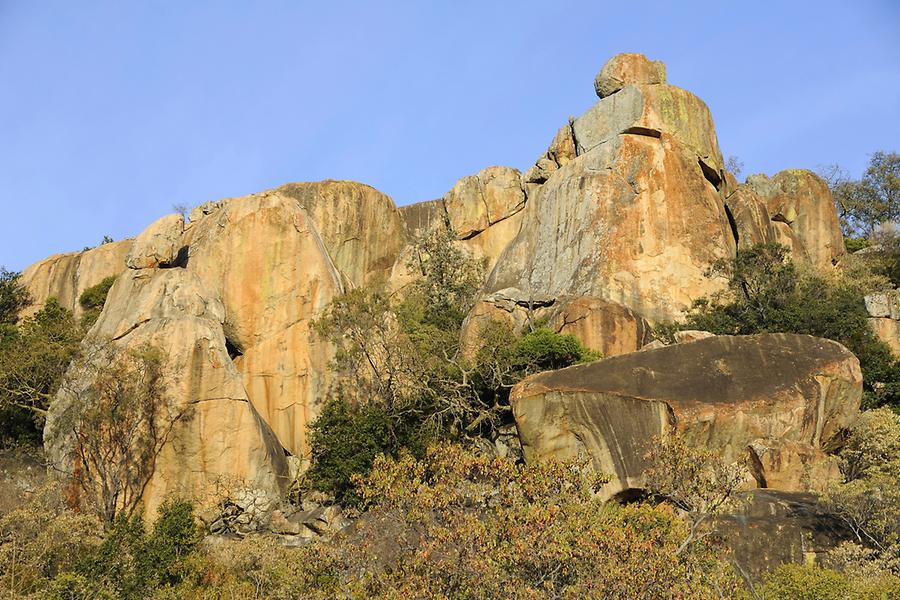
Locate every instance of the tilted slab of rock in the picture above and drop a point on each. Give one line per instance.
(802, 200)
(478, 201)
(751, 219)
(66, 276)
(158, 245)
(264, 257)
(721, 392)
(633, 221)
(221, 441)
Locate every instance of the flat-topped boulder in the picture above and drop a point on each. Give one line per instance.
(721, 392)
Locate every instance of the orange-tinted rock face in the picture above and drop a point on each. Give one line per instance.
(221, 437)
(264, 257)
(66, 276)
(624, 69)
(721, 392)
(801, 200)
(633, 221)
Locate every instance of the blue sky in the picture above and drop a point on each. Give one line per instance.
(111, 112)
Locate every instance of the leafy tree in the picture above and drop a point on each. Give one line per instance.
(448, 279)
(345, 440)
(120, 417)
(866, 203)
(13, 297)
(490, 528)
(868, 501)
(768, 294)
(33, 360)
(131, 562)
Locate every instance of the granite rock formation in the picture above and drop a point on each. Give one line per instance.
(612, 230)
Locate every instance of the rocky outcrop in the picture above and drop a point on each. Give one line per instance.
(221, 438)
(801, 201)
(625, 69)
(614, 228)
(721, 392)
(633, 221)
(66, 276)
(158, 245)
(271, 292)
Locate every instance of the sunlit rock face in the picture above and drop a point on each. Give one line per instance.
(611, 231)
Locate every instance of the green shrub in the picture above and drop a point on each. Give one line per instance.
(132, 563)
(544, 349)
(34, 356)
(854, 244)
(345, 439)
(92, 300)
(799, 582)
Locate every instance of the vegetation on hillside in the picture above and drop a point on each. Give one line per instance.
(768, 293)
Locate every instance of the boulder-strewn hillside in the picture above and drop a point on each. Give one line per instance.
(612, 230)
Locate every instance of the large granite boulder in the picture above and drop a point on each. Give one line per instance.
(221, 440)
(66, 276)
(801, 201)
(721, 392)
(478, 201)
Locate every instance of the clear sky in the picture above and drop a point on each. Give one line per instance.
(111, 112)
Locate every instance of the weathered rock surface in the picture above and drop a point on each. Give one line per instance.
(360, 227)
(721, 392)
(633, 221)
(750, 217)
(478, 201)
(158, 245)
(66, 276)
(786, 465)
(802, 200)
(884, 317)
(221, 437)
(624, 69)
(264, 257)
